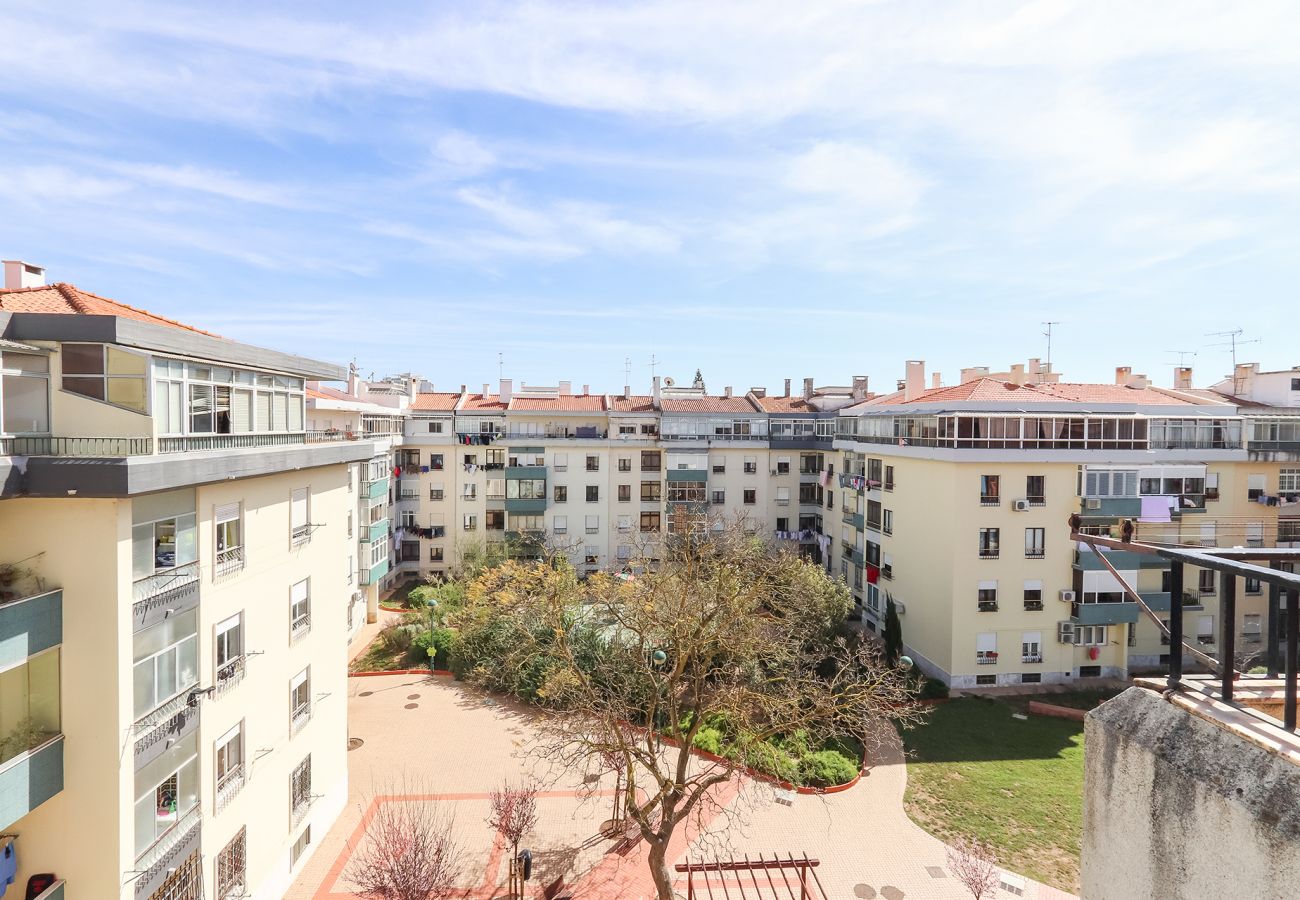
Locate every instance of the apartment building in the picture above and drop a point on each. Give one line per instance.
(955, 502)
(176, 575)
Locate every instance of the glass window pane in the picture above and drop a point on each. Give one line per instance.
(26, 404)
(188, 663)
(86, 387)
(143, 677)
(43, 692)
(128, 392)
(83, 359)
(187, 549)
(166, 673)
(120, 362)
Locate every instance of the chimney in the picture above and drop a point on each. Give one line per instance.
(914, 384)
(1139, 381)
(1243, 378)
(19, 274)
(1182, 378)
(936, 381)
(1018, 373)
(973, 372)
(627, 392)
(654, 388)
(486, 386)
(726, 391)
(586, 389)
(412, 386)
(758, 391)
(859, 390)
(1122, 374)
(807, 388)
(1034, 368)
(787, 387)
(462, 388)
(354, 381)
(566, 388)
(507, 389)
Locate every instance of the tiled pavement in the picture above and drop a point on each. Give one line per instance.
(424, 734)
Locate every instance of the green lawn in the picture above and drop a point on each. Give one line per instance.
(1018, 785)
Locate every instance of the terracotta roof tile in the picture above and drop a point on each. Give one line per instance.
(785, 404)
(991, 390)
(635, 403)
(67, 299)
(566, 403)
(321, 392)
(439, 402)
(707, 405)
(482, 403)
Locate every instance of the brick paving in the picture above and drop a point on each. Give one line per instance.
(432, 735)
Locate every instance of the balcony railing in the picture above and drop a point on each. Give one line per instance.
(1035, 553)
(1031, 658)
(176, 587)
(229, 674)
(989, 500)
(93, 447)
(190, 442)
(229, 784)
(229, 560)
(159, 853)
(988, 552)
(300, 626)
(300, 716)
(985, 658)
(335, 434)
(988, 606)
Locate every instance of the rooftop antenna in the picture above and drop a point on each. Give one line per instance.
(501, 366)
(653, 362)
(1231, 342)
(627, 370)
(1048, 335)
(1182, 357)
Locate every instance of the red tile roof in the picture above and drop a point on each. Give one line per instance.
(439, 402)
(67, 299)
(785, 404)
(640, 403)
(707, 405)
(564, 403)
(991, 390)
(482, 402)
(321, 392)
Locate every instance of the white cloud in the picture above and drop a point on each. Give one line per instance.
(463, 154)
(36, 185)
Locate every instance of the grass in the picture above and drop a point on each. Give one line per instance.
(1017, 785)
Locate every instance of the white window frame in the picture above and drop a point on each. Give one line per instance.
(299, 609)
(300, 515)
(299, 701)
(228, 554)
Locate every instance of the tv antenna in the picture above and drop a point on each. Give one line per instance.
(1048, 334)
(627, 370)
(501, 366)
(1182, 357)
(653, 362)
(1231, 342)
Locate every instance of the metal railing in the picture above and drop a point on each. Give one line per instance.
(90, 447)
(335, 434)
(300, 716)
(300, 626)
(163, 586)
(229, 784)
(228, 675)
(986, 659)
(191, 442)
(157, 855)
(229, 560)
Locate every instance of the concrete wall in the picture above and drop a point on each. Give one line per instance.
(1178, 808)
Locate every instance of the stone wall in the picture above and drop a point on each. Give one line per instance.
(1177, 807)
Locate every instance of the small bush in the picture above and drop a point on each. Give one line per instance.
(1258, 670)
(826, 768)
(709, 740)
(418, 653)
(933, 689)
(396, 639)
(443, 641)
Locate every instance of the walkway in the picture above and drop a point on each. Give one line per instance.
(427, 735)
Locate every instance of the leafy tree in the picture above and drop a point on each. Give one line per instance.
(893, 631)
(722, 625)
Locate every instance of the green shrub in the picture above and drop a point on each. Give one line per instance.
(709, 740)
(828, 767)
(418, 653)
(933, 689)
(770, 760)
(443, 641)
(1258, 670)
(396, 639)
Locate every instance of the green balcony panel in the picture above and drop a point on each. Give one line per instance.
(29, 626)
(855, 520)
(688, 475)
(525, 472)
(374, 573)
(527, 449)
(377, 531)
(1105, 613)
(1157, 600)
(377, 489)
(1124, 560)
(526, 506)
(28, 781)
(1116, 508)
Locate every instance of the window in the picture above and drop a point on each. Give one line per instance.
(889, 478)
(299, 700)
(470, 459)
(157, 548)
(751, 465)
(561, 493)
(111, 374)
(887, 521)
(494, 520)
(435, 554)
(986, 648)
(299, 527)
(166, 661)
(593, 463)
(1288, 480)
(783, 496)
(300, 846)
(530, 524)
(1034, 490)
(989, 541)
(164, 795)
(230, 652)
(627, 429)
(1205, 629)
(24, 393)
(1250, 628)
(1031, 647)
(1034, 539)
(986, 680)
(1206, 581)
(407, 519)
(1033, 595)
(782, 465)
(231, 867)
(300, 789)
(719, 464)
(436, 492)
(229, 536)
(1110, 484)
(560, 524)
(874, 469)
(651, 491)
(686, 492)
(1255, 486)
(230, 764)
(750, 496)
(1295, 384)
(299, 609)
(593, 493)
(649, 521)
(469, 523)
(624, 523)
(783, 523)
(988, 596)
(625, 493)
(874, 514)
(625, 464)
(593, 524)
(886, 566)
(651, 460)
(435, 428)
(717, 498)
(1090, 636)
(989, 490)
(435, 461)
(1253, 586)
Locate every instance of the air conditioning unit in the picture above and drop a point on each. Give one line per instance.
(1092, 503)
(774, 471)
(1067, 596)
(1020, 505)
(1065, 632)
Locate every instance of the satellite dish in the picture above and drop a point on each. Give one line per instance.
(668, 381)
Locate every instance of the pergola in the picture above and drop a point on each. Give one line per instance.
(791, 878)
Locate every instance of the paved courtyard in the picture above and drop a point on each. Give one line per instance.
(432, 736)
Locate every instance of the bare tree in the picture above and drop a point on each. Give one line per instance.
(407, 851)
(718, 631)
(971, 862)
(513, 813)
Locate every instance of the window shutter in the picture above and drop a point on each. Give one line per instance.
(986, 642)
(988, 586)
(593, 521)
(782, 493)
(560, 524)
(1033, 585)
(298, 509)
(226, 512)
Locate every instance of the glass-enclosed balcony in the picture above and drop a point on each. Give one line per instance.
(31, 740)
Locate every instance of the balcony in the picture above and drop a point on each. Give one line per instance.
(177, 844)
(29, 626)
(986, 658)
(988, 553)
(165, 593)
(988, 606)
(691, 475)
(374, 490)
(299, 717)
(990, 500)
(1159, 600)
(1031, 658)
(228, 675)
(300, 626)
(1033, 606)
(228, 785)
(376, 531)
(191, 442)
(330, 435)
(229, 561)
(1125, 613)
(374, 573)
(1035, 553)
(86, 447)
(854, 520)
(29, 779)
(534, 472)
(163, 727)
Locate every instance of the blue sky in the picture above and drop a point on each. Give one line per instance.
(758, 189)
